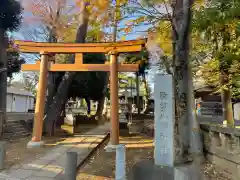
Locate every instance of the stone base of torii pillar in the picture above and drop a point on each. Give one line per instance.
(32, 144)
(110, 148)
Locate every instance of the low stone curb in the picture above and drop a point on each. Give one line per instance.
(93, 150)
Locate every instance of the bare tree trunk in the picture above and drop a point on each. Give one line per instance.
(181, 26)
(100, 108)
(226, 98)
(3, 80)
(101, 103)
(227, 107)
(196, 146)
(62, 93)
(226, 90)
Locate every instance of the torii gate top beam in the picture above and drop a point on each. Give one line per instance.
(120, 47)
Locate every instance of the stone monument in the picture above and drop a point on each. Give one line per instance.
(163, 167)
(164, 131)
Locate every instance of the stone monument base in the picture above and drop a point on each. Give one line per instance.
(146, 170)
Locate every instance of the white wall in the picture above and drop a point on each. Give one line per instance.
(9, 102)
(19, 103)
(30, 103)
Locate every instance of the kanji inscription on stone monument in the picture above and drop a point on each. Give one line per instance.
(164, 131)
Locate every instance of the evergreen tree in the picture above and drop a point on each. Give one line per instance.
(10, 18)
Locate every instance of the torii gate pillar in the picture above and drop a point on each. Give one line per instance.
(114, 131)
(40, 103)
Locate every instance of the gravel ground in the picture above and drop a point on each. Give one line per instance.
(213, 173)
(101, 166)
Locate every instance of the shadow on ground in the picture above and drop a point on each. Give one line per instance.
(101, 166)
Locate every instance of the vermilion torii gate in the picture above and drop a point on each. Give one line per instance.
(45, 65)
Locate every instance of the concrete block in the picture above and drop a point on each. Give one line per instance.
(147, 170)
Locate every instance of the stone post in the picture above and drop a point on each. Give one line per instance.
(120, 162)
(71, 166)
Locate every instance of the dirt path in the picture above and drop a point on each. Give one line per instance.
(17, 152)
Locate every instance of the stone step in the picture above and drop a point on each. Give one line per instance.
(12, 124)
(15, 129)
(20, 132)
(15, 136)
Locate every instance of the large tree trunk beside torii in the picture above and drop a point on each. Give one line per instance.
(61, 95)
(52, 85)
(52, 76)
